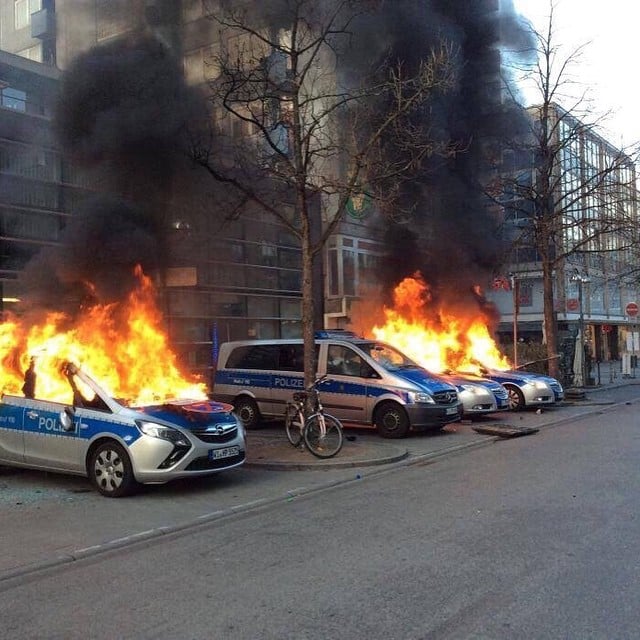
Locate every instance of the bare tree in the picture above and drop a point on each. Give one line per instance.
(313, 138)
(570, 194)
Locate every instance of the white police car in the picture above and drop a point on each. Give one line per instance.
(118, 447)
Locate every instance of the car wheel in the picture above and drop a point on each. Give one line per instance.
(516, 398)
(391, 420)
(110, 470)
(247, 410)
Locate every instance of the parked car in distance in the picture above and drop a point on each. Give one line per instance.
(479, 396)
(115, 446)
(525, 389)
(558, 390)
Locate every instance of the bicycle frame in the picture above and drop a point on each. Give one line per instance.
(312, 425)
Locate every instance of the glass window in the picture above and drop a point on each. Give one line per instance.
(334, 276)
(352, 268)
(343, 361)
(262, 356)
(291, 357)
(13, 99)
(23, 10)
(32, 53)
(262, 307)
(290, 309)
(349, 272)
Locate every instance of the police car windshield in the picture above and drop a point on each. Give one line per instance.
(387, 357)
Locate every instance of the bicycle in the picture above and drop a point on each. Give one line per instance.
(322, 433)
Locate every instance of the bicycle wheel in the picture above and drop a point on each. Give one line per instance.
(293, 421)
(323, 442)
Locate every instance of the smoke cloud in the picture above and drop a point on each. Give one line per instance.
(124, 108)
(121, 119)
(451, 237)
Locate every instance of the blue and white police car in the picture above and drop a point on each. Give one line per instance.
(115, 446)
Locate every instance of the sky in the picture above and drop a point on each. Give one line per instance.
(607, 67)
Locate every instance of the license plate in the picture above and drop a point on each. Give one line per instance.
(227, 452)
(452, 410)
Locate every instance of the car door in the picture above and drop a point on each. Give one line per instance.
(11, 436)
(47, 444)
(345, 392)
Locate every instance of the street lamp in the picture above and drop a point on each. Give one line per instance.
(514, 289)
(581, 280)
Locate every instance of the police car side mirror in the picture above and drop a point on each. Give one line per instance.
(66, 419)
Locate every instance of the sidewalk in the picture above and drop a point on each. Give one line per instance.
(273, 451)
(269, 448)
(609, 373)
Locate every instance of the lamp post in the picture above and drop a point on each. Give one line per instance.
(581, 280)
(514, 289)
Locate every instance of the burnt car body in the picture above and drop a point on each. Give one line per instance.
(118, 447)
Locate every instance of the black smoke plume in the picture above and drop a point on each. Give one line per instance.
(451, 236)
(121, 119)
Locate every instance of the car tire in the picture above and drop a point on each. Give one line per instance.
(110, 470)
(391, 420)
(247, 411)
(516, 398)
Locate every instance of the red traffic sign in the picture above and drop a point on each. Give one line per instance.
(573, 304)
(632, 309)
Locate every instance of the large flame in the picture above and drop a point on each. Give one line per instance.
(122, 345)
(436, 338)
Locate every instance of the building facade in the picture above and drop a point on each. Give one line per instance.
(596, 250)
(38, 188)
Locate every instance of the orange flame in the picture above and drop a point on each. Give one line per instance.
(437, 339)
(122, 345)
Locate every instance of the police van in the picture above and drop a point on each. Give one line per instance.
(369, 383)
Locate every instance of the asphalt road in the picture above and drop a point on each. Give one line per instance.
(534, 537)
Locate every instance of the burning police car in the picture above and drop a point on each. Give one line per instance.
(526, 389)
(115, 446)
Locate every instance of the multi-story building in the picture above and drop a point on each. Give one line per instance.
(227, 279)
(234, 278)
(37, 187)
(596, 250)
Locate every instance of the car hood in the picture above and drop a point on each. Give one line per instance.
(550, 381)
(190, 414)
(460, 380)
(518, 377)
(424, 379)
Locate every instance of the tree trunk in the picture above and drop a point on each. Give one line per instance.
(308, 328)
(550, 324)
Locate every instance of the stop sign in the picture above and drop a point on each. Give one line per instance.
(632, 309)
